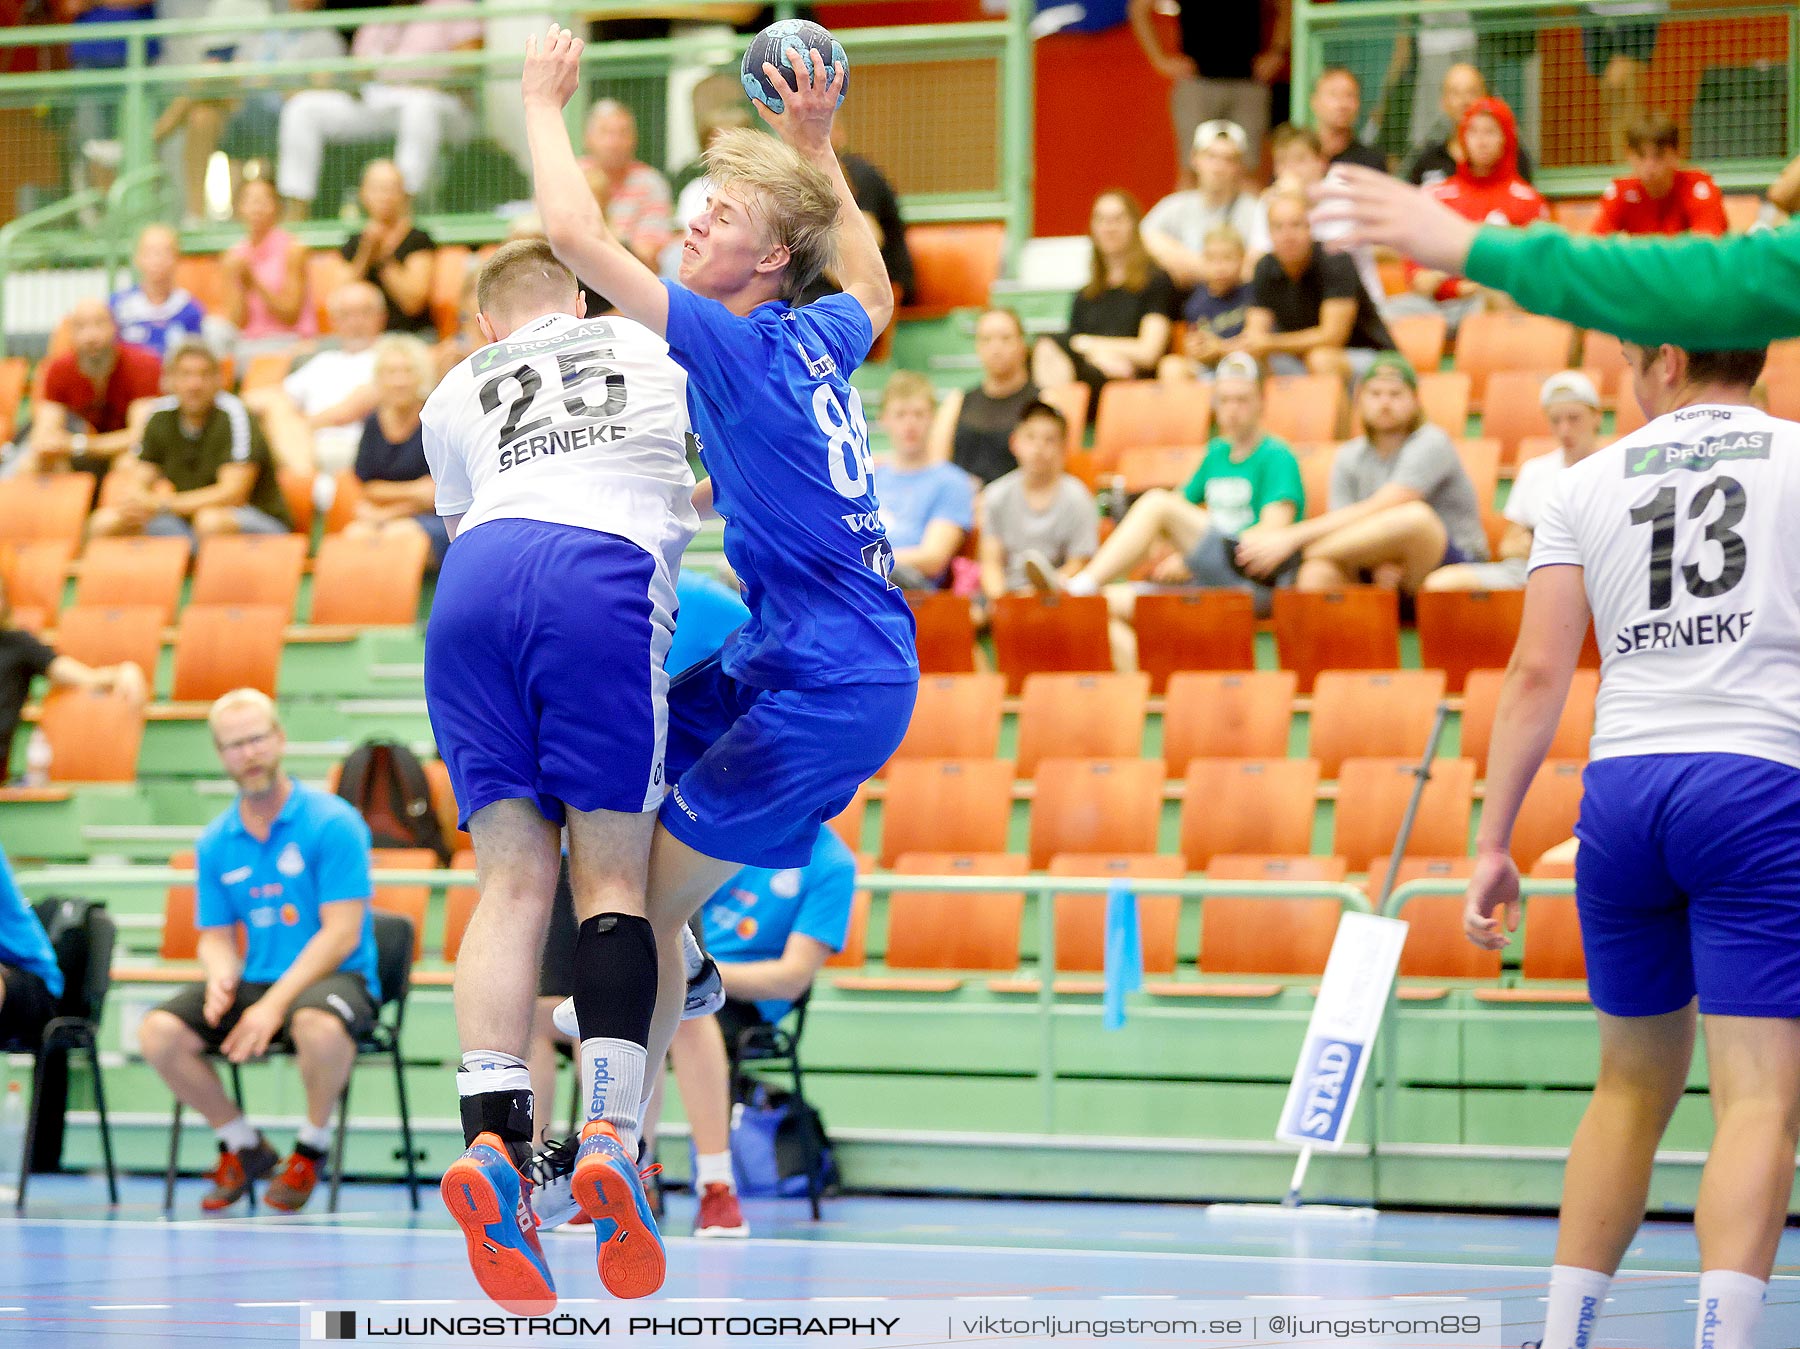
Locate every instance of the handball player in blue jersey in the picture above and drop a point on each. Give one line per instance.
(773, 736)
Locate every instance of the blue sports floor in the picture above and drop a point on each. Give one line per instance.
(70, 1275)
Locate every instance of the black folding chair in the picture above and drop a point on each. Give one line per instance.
(394, 962)
(82, 935)
(777, 1047)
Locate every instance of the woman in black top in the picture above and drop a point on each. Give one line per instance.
(973, 430)
(391, 252)
(397, 492)
(1119, 322)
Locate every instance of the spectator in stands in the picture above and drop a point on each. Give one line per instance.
(928, 507)
(1437, 158)
(415, 104)
(973, 428)
(1037, 509)
(1300, 164)
(1618, 54)
(1175, 230)
(397, 493)
(1660, 197)
(31, 981)
(96, 111)
(634, 196)
(94, 397)
(1572, 404)
(156, 313)
(1401, 503)
(23, 658)
(1486, 187)
(1215, 312)
(1119, 321)
(204, 467)
(315, 416)
(287, 865)
(1228, 59)
(391, 252)
(1309, 310)
(263, 276)
(1336, 104)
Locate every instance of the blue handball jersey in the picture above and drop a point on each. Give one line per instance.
(782, 434)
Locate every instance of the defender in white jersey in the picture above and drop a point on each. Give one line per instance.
(560, 457)
(1681, 542)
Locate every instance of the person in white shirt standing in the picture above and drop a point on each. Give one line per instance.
(1679, 542)
(559, 454)
(1572, 405)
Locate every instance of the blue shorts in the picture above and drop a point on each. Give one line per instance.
(757, 771)
(1688, 881)
(544, 669)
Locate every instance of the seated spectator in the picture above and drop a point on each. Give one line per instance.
(973, 428)
(1176, 228)
(1036, 510)
(928, 508)
(264, 276)
(31, 982)
(1401, 503)
(23, 658)
(1485, 188)
(391, 253)
(1437, 159)
(1573, 407)
(1247, 478)
(1119, 321)
(156, 313)
(1660, 197)
(315, 416)
(1215, 312)
(204, 467)
(1336, 104)
(96, 110)
(634, 196)
(200, 116)
(1309, 310)
(93, 399)
(254, 125)
(413, 105)
(286, 865)
(1300, 164)
(397, 492)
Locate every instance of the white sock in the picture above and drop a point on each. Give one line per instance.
(1081, 584)
(1577, 1297)
(713, 1168)
(1731, 1306)
(692, 958)
(238, 1134)
(612, 1085)
(315, 1136)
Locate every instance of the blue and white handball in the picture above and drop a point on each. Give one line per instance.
(772, 46)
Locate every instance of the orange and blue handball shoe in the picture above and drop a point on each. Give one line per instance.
(609, 1189)
(491, 1202)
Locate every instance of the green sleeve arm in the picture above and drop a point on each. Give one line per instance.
(1693, 291)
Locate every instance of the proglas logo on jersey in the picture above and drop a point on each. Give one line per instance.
(1699, 455)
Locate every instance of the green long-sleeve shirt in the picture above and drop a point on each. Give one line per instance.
(1695, 291)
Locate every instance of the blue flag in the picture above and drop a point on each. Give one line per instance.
(1124, 955)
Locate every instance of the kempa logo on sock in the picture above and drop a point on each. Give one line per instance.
(1709, 1327)
(334, 1325)
(603, 1078)
(1584, 1324)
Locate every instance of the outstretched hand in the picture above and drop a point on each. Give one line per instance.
(1492, 910)
(1385, 212)
(552, 68)
(804, 121)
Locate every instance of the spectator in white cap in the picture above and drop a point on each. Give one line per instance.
(1573, 407)
(1176, 227)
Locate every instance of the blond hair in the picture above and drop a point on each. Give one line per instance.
(415, 353)
(245, 698)
(794, 201)
(907, 384)
(523, 272)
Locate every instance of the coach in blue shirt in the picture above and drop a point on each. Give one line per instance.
(30, 979)
(288, 866)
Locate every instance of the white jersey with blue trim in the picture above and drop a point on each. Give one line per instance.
(580, 422)
(1687, 536)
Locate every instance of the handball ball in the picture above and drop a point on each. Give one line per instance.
(772, 46)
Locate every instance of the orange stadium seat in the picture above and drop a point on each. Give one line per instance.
(1315, 476)
(946, 805)
(346, 496)
(30, 618)
(1194, 630)
(220, 647)
(1137, 412)
(448, 268)
(326, 270)
(369, 581)
(954, 266)
(1081, 919)
(1072, 401)
(1422, 339)
(1378, 714)
(36, 572)
(1096, 806)
(946, 632)
(1148, 466)
(411, 902)
(250, 569)
(1547, 815)
(297, 490)
(1532, 446)
(15, 374)
(1303, 407)
(1262, 806)
(1256, 934)
(266, 370)
(1060, 633)
(1513, 411)
(94, 736)
(1480, 457)
(45, 506)
(1465, 630)
(1576, 214)
(1081, 716)
(443, 804)
(1226, 716)
(848, 826)
(1509, 340)
(957, 716)
(198, 274)
(1605, 354)
(109, 636)
(1277, 867)
(948, 930)
(1552, 939)
(1417, 869)
(1372, 799)
(122, 572)
(856, 936)
(1741, 210)
(1436, 946)
(1628, 416)
(1444, 397)
(1481, 696)
(1357, 628)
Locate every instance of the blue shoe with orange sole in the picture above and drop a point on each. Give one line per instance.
(610, 1191)
(491, 1202)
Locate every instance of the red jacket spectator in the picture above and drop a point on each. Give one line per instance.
(1487, 187)
(1691, 204)
(136, 373)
